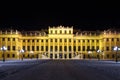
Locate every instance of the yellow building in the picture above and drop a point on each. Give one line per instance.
(59, 43)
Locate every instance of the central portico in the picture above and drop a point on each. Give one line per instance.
(60, 43)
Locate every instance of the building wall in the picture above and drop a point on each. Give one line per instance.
(59, 40)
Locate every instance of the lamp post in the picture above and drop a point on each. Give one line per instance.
(99, 51)
(22, 51)
(116, 49)
(3, 49)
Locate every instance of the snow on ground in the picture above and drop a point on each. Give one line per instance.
(60, 70)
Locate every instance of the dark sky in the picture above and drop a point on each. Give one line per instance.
(82, 16)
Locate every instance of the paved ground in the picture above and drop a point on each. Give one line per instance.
(60, 70)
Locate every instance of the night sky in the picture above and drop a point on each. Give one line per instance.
(82, 16)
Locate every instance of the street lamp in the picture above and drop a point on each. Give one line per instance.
(22, 51)
(99, 51)
(3, 49)
(116, 49)
(31, 52)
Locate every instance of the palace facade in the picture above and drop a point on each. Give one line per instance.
(59, 43)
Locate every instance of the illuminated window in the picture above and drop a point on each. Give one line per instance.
(69, 31)
(42, 48)
(32, 40)
(88, 48)
(60, 31)
(55, 40)
(60, 48)
(92, 40)
(13, 39)
(83, 40)
(69, 40)
(41, 40)
(107, 48)
(83, 48)
(74, 41)
(51, 48)
(51, 40)
(33, 48)
(107, 39)
(93, 47)
(88, 41)
(46, 40)
(8, 39)
(55, 31)
(65, 48)
(97, 41)
(37, 48)
(55, 48)
(113, 55)
(46, 48)
(112, 39)
(74, 48)
(13, 55)
(107, 55)
(37, 40)
(23, 47)
(60, 40)
(97, 47)
(78, 48)
(65, 40)
(8, 48)
(69, 48)
(3, 39)
(28, 47)
(117, 39)
(65, 32)
(8, 55)
(28, 40)
(51, 31)
(23, 40)
(13, 47)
